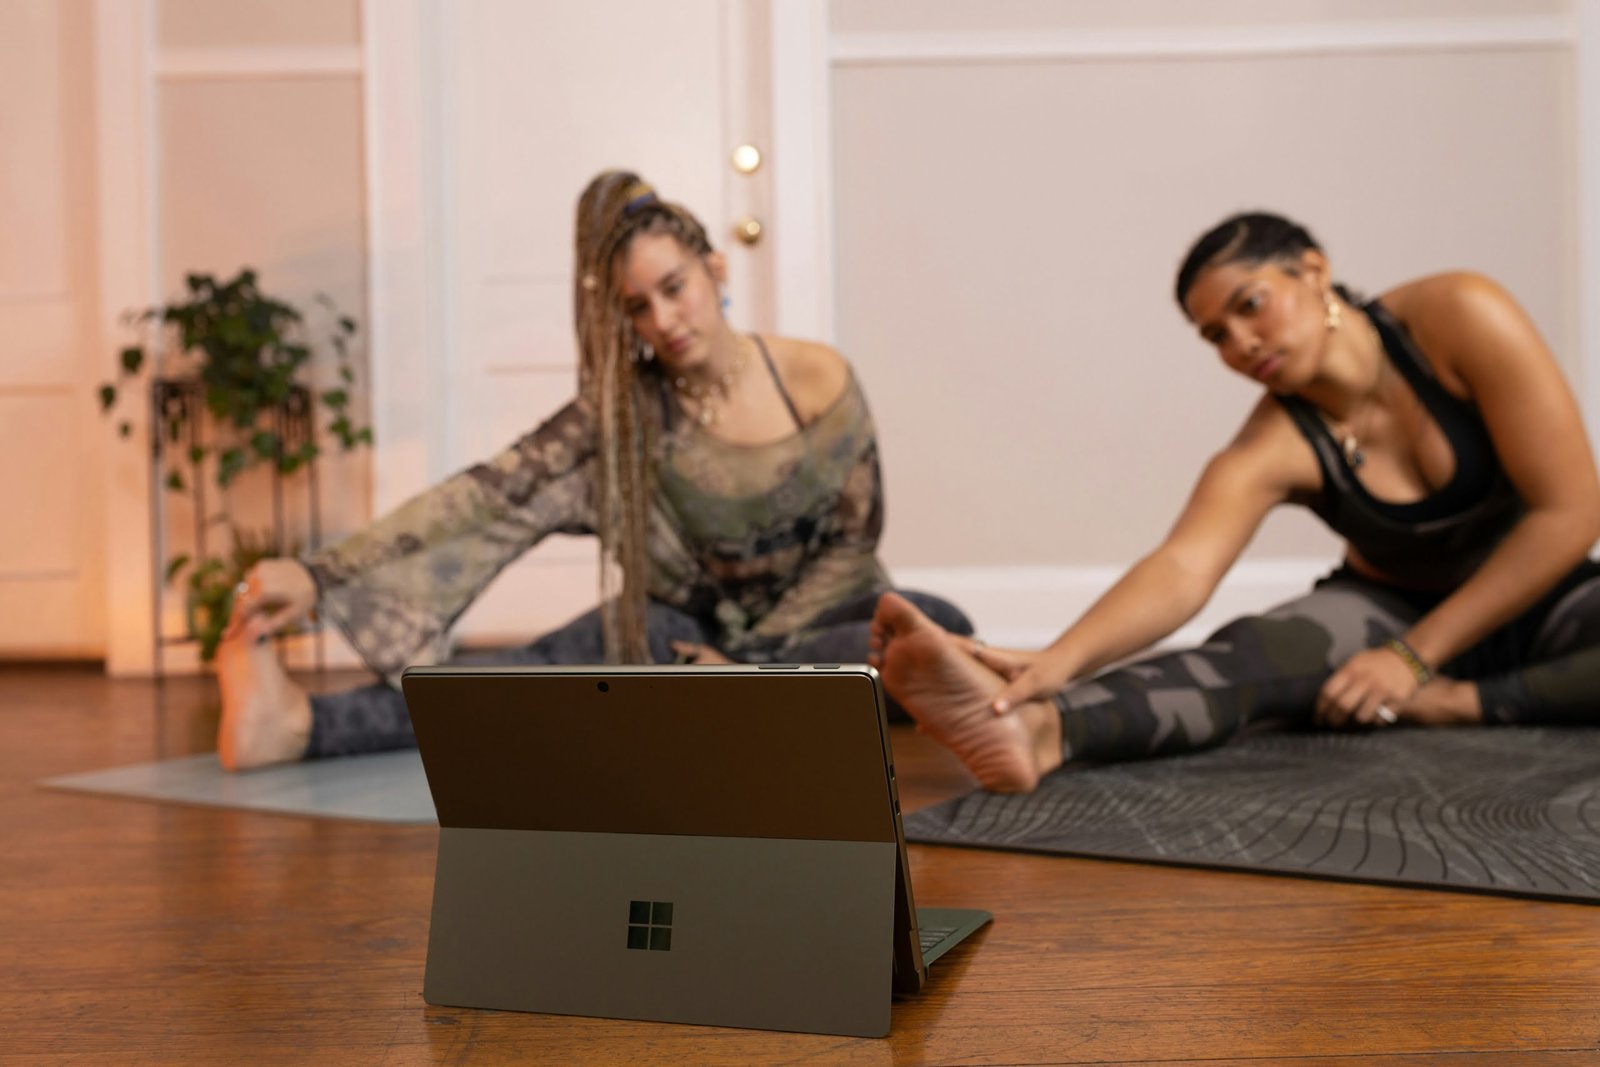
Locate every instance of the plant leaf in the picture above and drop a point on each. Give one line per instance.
(176, 564)
(265, 443)
(229, 464)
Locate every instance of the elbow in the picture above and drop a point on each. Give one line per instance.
(1589, 523)
(1584, 518)
(1188, 584)
(1579, 524)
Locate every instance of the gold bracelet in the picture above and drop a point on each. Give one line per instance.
(1408, 656)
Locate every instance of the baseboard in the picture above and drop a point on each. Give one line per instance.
(1027, 607)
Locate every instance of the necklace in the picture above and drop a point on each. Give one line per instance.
(1349, 435)
(709, 396)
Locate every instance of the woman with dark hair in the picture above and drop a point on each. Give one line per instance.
(1430, 428)
(732, 480)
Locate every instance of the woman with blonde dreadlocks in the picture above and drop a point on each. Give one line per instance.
(732, 480)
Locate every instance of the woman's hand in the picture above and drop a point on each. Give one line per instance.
(1368, 690)
(1029, 675)
(690, 652)
(273, 594)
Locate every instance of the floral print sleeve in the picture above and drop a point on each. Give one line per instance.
(395, 588)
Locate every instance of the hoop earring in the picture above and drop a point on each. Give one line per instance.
(644, 354)
(1335, 313)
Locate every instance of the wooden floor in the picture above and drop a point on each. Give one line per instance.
(135, 932)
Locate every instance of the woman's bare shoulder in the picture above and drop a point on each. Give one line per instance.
(1456, 317)
(1445, 294)
(1272, 449)
(814, 374)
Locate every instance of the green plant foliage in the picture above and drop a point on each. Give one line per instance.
(253, 351)
(208, 598)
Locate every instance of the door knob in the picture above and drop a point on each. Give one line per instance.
(748, 230)
(746, 158)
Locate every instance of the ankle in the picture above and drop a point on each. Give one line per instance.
(1043, 724)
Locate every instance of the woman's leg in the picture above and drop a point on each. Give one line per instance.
(1255, 668)
(1562, 684)
(1259, 667)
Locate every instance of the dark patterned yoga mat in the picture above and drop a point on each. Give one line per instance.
(1508, 810)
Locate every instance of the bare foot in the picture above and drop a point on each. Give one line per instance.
(266, 718)
(948, 692)
(1444, 702)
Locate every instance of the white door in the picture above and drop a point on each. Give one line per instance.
(487, 119)
(51, 556)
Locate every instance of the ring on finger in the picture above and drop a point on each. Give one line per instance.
(978, 642)
(241, 590)
(1386, 716)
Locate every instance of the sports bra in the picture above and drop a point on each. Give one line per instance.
(1434, 543)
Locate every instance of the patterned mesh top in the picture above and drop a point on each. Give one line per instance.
(756, 540)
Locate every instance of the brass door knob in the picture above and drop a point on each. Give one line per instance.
(749, 230)
(746, 159)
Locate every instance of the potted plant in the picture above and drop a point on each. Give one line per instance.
(248, 355)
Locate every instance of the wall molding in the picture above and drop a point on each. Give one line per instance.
(1326, 38)
(802, 178)
(31, 297)
(244, 63)
(127, 164)
(1586, 93)
(408, 287)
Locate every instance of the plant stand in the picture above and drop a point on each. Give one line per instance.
(181, 402)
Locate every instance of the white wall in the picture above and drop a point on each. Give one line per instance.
(1006, 188)
(1014, 184)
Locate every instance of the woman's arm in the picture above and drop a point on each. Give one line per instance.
(1486, 339)
(1257, 471)
(1483, 345)
(396, 586)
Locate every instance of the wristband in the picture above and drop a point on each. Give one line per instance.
(1408, 655)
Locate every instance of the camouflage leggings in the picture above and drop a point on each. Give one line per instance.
(373, 718)
(1542, 667)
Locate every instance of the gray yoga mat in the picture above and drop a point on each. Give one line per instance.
(386, 787)
(1497, 810)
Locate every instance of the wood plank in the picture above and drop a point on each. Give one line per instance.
(160, 933)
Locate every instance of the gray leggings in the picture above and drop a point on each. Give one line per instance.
(1542, 667)
(373, 718)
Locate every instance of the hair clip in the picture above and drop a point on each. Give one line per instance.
(640, 200)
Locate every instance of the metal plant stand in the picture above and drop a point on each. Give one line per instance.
(181, 402)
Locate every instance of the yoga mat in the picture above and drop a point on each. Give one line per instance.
(386, 787)
(1512, 810)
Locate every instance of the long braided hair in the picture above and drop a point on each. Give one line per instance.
(613, 369)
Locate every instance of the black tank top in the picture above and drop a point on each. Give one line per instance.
(1437, 542)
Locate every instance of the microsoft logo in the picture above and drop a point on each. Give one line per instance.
(650, 924)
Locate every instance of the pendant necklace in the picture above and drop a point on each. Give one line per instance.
(1348, 437)
(709, 396)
